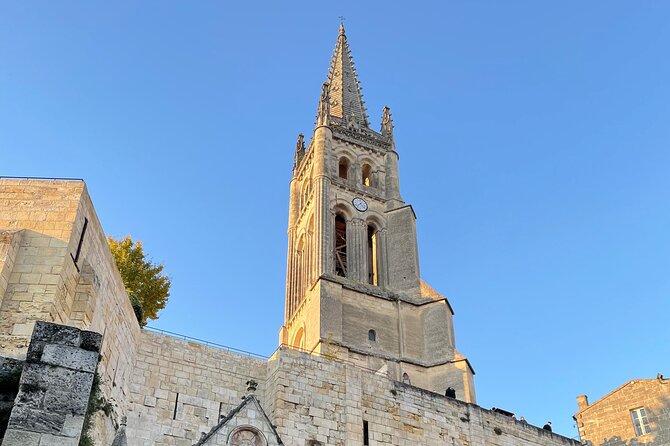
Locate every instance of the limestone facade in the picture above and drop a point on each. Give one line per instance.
(41, 234)
(612, 420)
(180, 389)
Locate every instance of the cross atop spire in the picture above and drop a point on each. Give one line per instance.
(346, 99)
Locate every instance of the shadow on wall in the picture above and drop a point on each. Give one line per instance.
(659, 423)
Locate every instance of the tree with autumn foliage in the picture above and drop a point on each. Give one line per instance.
(147, 287)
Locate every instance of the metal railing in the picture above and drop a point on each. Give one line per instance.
(206, 343)
(5, 177)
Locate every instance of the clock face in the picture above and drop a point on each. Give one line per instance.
(360, 204)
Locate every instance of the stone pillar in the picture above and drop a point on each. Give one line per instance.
(356, 245)
(382, 258)
(392, 178)
(55, 387)
(322, 146)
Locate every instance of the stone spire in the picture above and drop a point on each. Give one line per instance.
(346, 99)
(299, 151)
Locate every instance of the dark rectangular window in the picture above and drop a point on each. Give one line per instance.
(75, 257)
(366, 434)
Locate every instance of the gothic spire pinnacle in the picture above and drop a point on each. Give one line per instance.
(346, 99)
(387, 122)
(299, 151)
(323, 113)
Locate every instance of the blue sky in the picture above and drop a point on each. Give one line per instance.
(533, 140)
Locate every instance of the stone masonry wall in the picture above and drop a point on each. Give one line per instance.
(608, 422)
(41, 226)
(326, 401)
(54, 388)
(180, 389)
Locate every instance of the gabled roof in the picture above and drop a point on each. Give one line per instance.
(603, 398)
(247, 400)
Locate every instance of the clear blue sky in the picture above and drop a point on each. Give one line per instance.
(533, 140)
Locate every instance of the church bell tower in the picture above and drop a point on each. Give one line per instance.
(353, 288)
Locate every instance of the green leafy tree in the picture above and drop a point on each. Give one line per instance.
(147, 287)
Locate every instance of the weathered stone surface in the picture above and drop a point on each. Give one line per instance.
(70, 357)
(54, 440)
(35, 420)
(48, 376)
(91, 340)
(72, 426)
(66, 401)
(31, 396)
(56, 334)
(21, 438)
(35, 350)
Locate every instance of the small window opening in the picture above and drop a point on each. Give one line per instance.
(366, 175)
(75, 257)
(343, 170)
(176, 403)
(366, 434)
(340, 246)
(405, 379)
(372, 336)
(373, 271)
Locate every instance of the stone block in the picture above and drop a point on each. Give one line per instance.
(70, 357)
(91, 341)
(56, 440)
(48, 377)
(35, 420)
(30, 396)
(59, 401)
(73, 425)
(56, 334)
(35, 350)
(15, 437)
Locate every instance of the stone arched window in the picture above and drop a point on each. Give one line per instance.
(373, 256)
(372, 336)
(299, 339)
(343, 168)
(366, 175)
(340, 246)
(246, 436)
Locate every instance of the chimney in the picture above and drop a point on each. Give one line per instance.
(582, 402)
